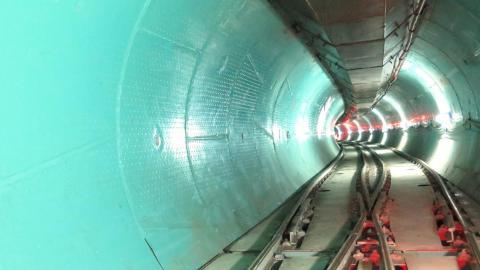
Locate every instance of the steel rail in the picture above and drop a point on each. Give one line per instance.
(364, 171)
(266, 256)
(385, 172)
(343, 256)
(469, 235)
(383, 175)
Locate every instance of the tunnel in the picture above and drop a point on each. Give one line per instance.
(152, 134)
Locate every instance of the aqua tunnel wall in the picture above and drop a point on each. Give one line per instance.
(132, 127)
(432, 111)
(150, 134)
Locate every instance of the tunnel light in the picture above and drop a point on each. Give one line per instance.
(444, 120)
(302, 129)
(349, 132)
(382, 119)
(448, 120)
(384, 137)
(442, 154)
(370, 128)
(446, 117)
(404, 123)
(434, 88)
(403, 141)
(359, 130)
(384, 125)
(370, 138)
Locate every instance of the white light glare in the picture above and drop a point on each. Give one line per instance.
(403, 118)
(323, 125)
(382, 119)
(302, 129)
(370, 128)
(359, 130)
(448, 120)
(349, 132)
(384, 125)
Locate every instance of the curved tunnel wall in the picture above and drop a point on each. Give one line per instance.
(172, 127)
(432, 111)
(157, 126)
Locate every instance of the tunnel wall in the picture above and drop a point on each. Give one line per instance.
(452, 154)
(442, 82)
(151, 134)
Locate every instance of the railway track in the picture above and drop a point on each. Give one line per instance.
(370, 200)
(331, 222)
(442, 200)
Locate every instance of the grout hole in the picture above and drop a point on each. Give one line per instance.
(157, 139)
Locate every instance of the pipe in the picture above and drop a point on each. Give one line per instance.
(412, 27)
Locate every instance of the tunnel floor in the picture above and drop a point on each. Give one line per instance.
(413, 223)
(332, 207)
(326, 228)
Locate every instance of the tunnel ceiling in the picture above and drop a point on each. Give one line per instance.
(360, 41)
(437, 81)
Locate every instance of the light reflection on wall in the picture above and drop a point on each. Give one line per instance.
(447, 116)
(403, 141)
(349, 132)
(370, 128)
(302, 129)
(324, 126)
(359, 130)
(442, 154)
(384, 125)
(404, 124)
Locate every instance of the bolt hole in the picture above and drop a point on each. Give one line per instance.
(157, 139)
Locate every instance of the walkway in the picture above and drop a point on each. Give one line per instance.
(331, 221)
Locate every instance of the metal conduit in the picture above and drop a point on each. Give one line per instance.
(412, 27)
